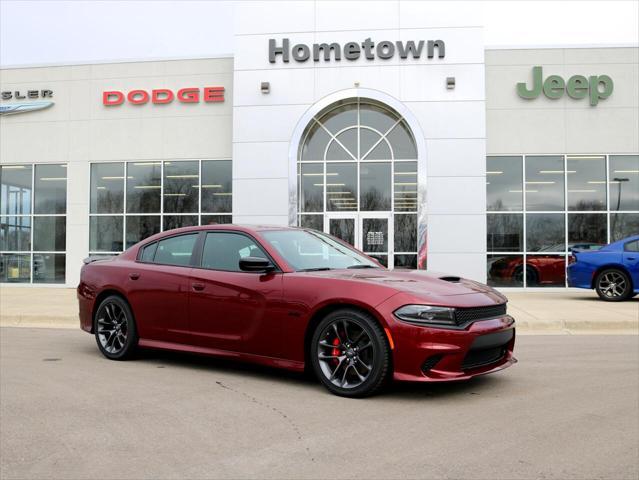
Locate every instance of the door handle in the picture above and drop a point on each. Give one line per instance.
(134, 275)
(198, 287)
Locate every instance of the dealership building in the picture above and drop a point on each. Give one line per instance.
(393, 128)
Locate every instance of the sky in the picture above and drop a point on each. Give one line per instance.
(60, 32)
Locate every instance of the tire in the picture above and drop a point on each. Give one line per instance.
(532, 277)
(115, 330)
(355, 355)
(613, 285)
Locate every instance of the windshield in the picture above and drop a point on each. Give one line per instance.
(306, 250)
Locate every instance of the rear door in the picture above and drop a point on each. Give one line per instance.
(159, 287)
(631, 261)
(230, 309)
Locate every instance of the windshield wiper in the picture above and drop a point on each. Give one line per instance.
(318, 269)
(362, 266)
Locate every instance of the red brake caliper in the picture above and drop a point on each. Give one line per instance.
(335, 351)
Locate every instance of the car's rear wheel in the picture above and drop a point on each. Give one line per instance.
(613, 285)
(350, 354)
(114, 328)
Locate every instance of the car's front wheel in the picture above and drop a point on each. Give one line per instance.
(350, 354)
(613, 285)
(114, 328)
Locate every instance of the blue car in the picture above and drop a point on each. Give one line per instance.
(613, 270)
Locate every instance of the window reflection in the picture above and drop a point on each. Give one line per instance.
(143, 185)
(316, 222)
(107, 188)
(15, 234)
(503, 183)
(49, 234)
(586, 179)
(545, 232)
(179, 221)
(15, 189)
(15, 268)
(105, 233)
(505, 270)
(48, 268)
(545, 270)
(405, 233)
(505, 232)
(311, 182)
(139, 227)
(50, 194)
(623, 225)
(586, 230)
(217, 186)
(544, 183)
(623, 176)
(181, 192)
(216, 219)
(341, 186)
(405, 180)
(375, 186)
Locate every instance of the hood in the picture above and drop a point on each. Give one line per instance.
(416, 282)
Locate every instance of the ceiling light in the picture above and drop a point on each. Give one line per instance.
(146, 164)
(405, 183)
(175, 194)
(540, 183)
(182, 176)
(582, 191)
(626, 171)
(222, 193)
(12, 167)
(494, 172)
(405, 173)
(53, 179)
(142, 187)
(112, 178)
(585, 157)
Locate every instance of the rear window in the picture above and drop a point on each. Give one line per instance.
(148, 252)
(632, 246)
(175, 250)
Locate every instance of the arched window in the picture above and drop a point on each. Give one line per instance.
(357, 179)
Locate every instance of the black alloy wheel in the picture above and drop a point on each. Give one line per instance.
(114, 328)
(350, 354)
(613, 285)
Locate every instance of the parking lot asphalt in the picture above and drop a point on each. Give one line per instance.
(568, 409)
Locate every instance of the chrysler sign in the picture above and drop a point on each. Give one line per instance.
(27, 106)
(163, 96)
(354, 50)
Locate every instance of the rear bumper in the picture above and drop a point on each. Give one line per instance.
(579, 277)
(86, 299)
(424, 354)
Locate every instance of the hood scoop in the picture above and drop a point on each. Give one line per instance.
(451, 279)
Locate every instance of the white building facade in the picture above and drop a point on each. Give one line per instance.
(391, 127)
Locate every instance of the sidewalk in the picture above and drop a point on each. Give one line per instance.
(549, 312)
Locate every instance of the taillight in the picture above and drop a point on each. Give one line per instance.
(572, 259)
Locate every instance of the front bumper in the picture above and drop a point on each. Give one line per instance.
(426, 354)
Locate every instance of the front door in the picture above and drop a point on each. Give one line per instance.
(372, 233)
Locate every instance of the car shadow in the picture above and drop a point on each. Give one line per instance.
(394, 390)
(595, 298)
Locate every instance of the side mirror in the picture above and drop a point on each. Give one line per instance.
(256, 264)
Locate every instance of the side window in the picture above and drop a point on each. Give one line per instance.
(148, 252)
(223, 251)
(175, 250)
(632, 246)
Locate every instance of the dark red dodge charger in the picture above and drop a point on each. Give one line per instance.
(294, 298)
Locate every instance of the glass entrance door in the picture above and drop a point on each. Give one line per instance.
(376, 237)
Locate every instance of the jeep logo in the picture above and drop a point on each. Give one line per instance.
(596, 87)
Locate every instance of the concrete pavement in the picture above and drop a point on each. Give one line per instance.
(568, 410)
(548, 311)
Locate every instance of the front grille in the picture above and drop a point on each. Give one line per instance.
(483, 357)
(464, 316)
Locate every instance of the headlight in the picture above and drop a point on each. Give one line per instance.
(426, 315)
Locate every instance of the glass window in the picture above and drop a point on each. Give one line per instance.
(105, 233)
(586, 230)
(375, 235)
(545, 232)
(15, 189)
(544, 183)
(216, 219)
(181, 181)
(148, 252)
(406, 261)
(402, 141)
(505, 232)
(377, 117)
(623, 225)
(217, 186)
(375, 186)
(342, 228)
(405, 179)
(341, 186)
(15, 267)
(503, 183)
(143, 185)
(50, 195)
(315, 143)
(505, 270)
(632, 246)
(175, 250)
(340, 118)
(107, 188)
(316, 222)
(379, 151)
(623, 176)
(223, 251)
(179, 221)
(405, 233)
(49, 267)
(545, 270)
(311, 182)
(140, 227)
(15, 234)
(49, 234)
(586, 176)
